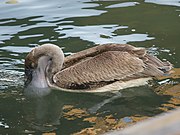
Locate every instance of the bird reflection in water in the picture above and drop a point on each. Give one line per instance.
(42, 109)
(44, 113)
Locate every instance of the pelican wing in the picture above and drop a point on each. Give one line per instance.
(94, 51)
(108, 66)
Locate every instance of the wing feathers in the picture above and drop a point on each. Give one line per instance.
(94, 51)
(155, 67)
(107, 63)
(107, 66)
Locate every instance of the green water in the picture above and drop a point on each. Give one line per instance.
(75, 25)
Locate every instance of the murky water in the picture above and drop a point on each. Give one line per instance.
(76, 25)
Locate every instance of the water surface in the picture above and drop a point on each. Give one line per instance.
(75, 25)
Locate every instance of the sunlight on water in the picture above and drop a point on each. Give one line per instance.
(101, 34)
(10, 78)
(48, 10)
(125, 4)
(16, 49)
(165, 2)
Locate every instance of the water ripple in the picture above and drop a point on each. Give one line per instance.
(49, 10)
(100, 34)
(10, 78)
(165, 2)
(17, 49)
(125, 4)
(45, 14)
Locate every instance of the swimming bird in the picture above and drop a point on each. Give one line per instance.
(102, 68)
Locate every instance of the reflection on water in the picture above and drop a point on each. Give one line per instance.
(42, 113)
(101, 34)
(165, 2)
(75, 25)
(59, 109)
(125, 4)
(45, 14)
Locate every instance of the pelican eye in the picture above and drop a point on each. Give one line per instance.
(50, 58)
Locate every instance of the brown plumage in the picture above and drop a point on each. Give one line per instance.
(98, 66)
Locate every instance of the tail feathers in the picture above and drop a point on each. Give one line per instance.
(156, 67)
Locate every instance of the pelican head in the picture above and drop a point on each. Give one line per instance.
(41, 64)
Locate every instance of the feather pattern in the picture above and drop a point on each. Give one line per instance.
(108, 63)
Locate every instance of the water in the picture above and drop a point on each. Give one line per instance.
(75, 25)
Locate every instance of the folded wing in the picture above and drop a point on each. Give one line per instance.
(106, 67)
(102, 65)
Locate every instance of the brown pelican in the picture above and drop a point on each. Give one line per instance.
(101, 68)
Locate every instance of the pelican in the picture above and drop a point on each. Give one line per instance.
(102, 68)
